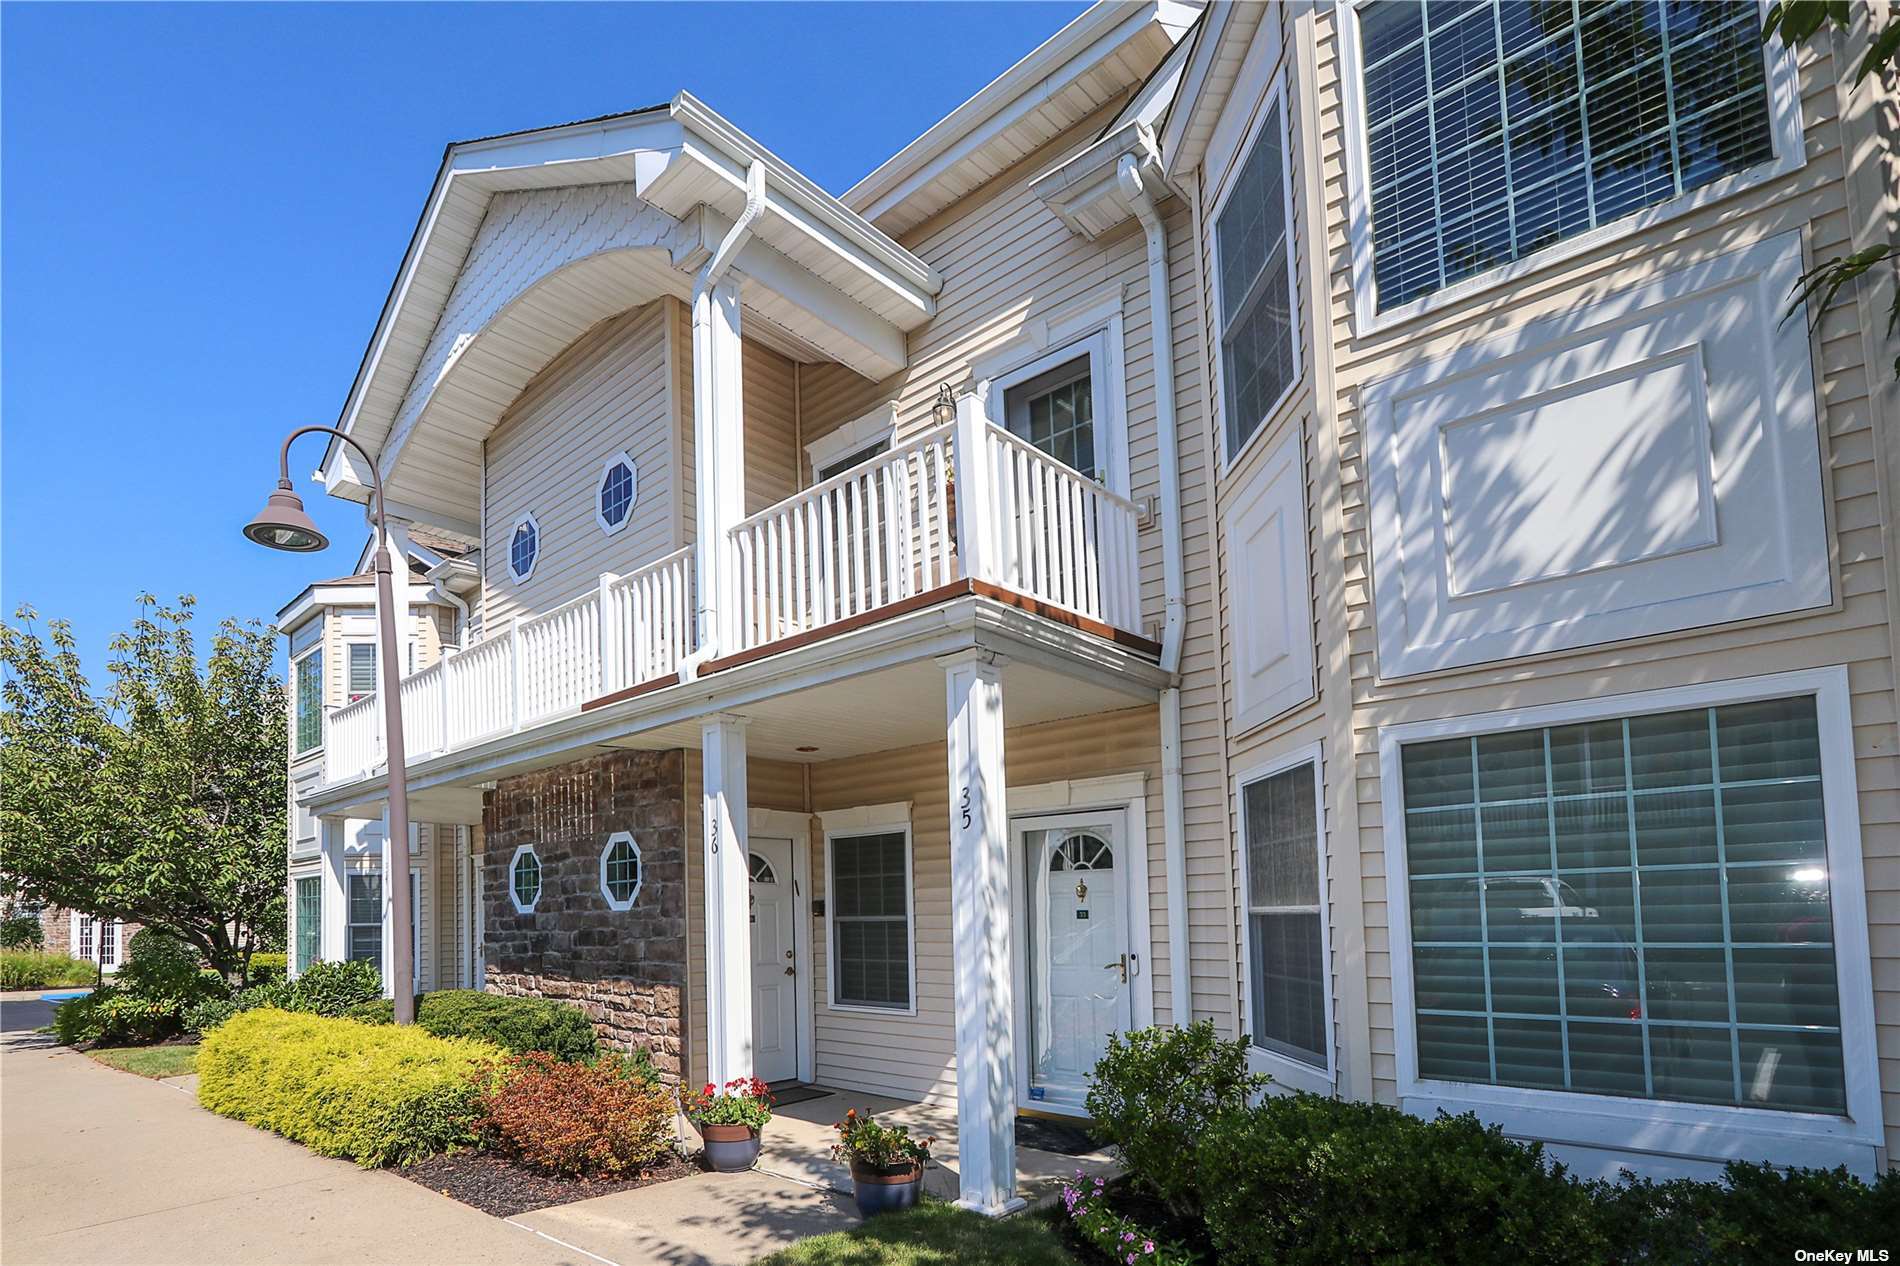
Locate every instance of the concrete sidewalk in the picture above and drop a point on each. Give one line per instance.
(102, 1167)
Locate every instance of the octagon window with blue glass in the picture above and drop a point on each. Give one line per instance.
(524, 547)
(619, 489)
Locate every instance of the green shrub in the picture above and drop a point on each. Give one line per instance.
(21, 932)
(1154, 1095)
(1756, 1214)
(1301, 1180)
(209, 1014)
(377, 1095)
(114, 1016)
(267, 966)
(333, 988)
(579, 1120)
(31, 969)
(519, 1025)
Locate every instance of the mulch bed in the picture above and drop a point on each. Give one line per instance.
(504, 1189)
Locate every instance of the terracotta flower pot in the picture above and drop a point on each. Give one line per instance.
(730, 1149)
(885, 1190)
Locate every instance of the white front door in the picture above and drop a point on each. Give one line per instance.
(774, 961)
(1073, 941)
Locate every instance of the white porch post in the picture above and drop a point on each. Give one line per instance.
(979, 921)
(334, 913)
(728, 888)
(718, 456)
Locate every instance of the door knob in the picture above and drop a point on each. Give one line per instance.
(1120, 965)
(789, 971)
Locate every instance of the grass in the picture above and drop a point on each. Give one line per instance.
(150, 1061)
(932, 1234)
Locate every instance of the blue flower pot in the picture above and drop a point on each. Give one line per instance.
(878, 1192)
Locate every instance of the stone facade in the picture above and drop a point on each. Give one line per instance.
(625, 968)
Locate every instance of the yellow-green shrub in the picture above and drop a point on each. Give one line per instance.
(376, 1094)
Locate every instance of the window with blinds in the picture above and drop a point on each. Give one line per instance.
(309, 920)
(1634, 907)
(1497, 127)
(309, 701)
(1285, 956)
(362, 669)
(869, 898)
(1255, 268)
(1055, 411)
(365, 929)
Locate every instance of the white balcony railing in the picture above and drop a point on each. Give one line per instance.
(962, 501)
(530, 672)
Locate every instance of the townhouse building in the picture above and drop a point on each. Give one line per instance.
(1304, 516)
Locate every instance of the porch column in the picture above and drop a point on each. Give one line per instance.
(979, 921)
(333, 914)
(728, 891)
(718, 455)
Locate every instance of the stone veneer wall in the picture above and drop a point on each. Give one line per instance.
(625, 968)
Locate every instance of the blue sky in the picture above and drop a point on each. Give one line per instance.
(202, 208)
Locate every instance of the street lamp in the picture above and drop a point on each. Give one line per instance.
(282, 524)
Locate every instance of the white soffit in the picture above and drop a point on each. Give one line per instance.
(1106, 51)
(1086, 194)
(1642, 465)
(1213, 64)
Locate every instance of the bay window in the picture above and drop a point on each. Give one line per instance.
(309, 916)
(1253, 248)
(309, 702)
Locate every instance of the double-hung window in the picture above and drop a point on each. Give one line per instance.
(1498, 127)
(1287, 981)
(1254, 275)
(1640, 906)
(362, 666)
(868, 886)
(309, 702)
(309, 920)
(365, 931)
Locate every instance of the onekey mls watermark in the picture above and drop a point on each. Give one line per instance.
(1842, 1255)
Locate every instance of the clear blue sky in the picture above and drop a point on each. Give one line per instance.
(202, 208)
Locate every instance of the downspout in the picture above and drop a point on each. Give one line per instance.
(448, 598)
(704, 478)
(1173, 811)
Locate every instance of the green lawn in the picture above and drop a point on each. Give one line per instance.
(933, 1234)
(150, 1061)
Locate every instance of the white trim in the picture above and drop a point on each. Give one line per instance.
(1784, 113)
(1094, 332)
(1284, 1069)
(786, 824)
(1275, 99)
(622, 458)
(508, 550)
(1715, 1132)
(639, 871)
(323, 702)
(541, 881)
(875, 820)
(839, 443)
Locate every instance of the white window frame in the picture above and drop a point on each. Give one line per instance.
(1713, 1131)
(541, 886)
(622, 458)
(350, 646)
(640, 870)
(382, 917)
(1276, 95)
(1093, 329)
(296, 669)
(1784, 117)
(1284, 1069)
(836, 445)
(296, 922)
(540, 545)
(891, 819)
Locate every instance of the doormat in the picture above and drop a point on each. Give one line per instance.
(1054, 1136)
(796, 1094)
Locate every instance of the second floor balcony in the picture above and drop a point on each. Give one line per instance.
(963, 508)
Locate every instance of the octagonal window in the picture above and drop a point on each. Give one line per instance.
(619, 489)
(524, 879)
(621, 875)
(524, 547)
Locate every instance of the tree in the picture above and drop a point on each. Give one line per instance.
(162, 803)
(1793, 21)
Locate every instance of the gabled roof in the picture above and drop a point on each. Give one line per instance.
(1109, 49)
(1214, 59)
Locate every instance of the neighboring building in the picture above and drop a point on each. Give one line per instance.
(338, 906)
(100, 941)
(1302, 516)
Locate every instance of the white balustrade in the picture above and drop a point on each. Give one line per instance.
(647, 623)
(481, 691)
(559, 664)
(877, 534)
(1059, 536)
(424, 720)
(353, 742)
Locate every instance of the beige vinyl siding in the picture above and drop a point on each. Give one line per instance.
(1008, 261)
(606, 393)
(909, 1055)
(450, 900)
(770, 395)
(1854, 632)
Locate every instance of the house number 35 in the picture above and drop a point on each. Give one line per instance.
(963, 803)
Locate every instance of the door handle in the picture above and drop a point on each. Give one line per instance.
(1120, 965)
(789, 971)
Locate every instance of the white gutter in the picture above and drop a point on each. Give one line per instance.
(1129, 176)
(705, 454)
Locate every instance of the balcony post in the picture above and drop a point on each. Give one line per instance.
(975, 497)
(442, 696)
(718, 457)
(610, 643)
(517, 678)
(728, 896)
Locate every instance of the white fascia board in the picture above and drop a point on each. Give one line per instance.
(1019, 91)
(624, 137)
(722, 148)
(1085, 192)
(1196, 97)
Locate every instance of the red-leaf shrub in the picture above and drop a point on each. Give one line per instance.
(577, 1120)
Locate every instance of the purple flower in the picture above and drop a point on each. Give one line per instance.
(1147, 1246)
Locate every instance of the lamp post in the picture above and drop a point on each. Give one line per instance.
(282, 524)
